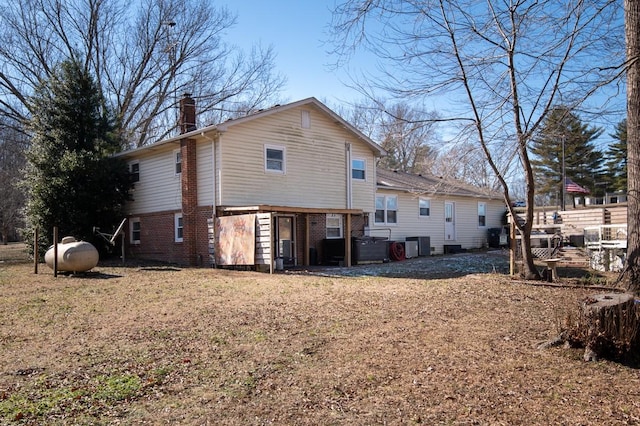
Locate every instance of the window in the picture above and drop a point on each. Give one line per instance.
(274, 158)
(134, 169)
(386, 209)
(482, 214)
(134, 231)
(178, 157)
(358, 169)
(179, 229)
(334, 226)
(425, 207)
(305, 119)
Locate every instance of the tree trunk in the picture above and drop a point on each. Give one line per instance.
(630, 276)
(609, 325)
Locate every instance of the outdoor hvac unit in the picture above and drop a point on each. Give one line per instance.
(424, 245)
(410, 249)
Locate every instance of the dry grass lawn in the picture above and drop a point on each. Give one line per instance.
(166, 345)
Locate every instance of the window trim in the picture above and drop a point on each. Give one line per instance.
(178, 228)
(177, 162)
(386, 210)
(284, 158)
(428, 201)
(484, 216)
(363, 170)
(135, 175)
(340, 227)
(132, 222)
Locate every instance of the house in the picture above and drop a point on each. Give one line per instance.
(266, 189)
(452, 214)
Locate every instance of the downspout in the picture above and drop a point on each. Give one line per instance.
(347, 146)
(347, 231)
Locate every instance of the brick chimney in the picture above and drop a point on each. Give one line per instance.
(189, 179)
(187, 120)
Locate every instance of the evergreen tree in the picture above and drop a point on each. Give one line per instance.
(72, 181)
(582, 161)
(616, 159)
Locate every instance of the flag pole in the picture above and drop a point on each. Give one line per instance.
(564, 178)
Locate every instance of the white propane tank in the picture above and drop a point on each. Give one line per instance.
(73, 256)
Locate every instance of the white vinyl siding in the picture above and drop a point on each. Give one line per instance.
(410, 224)
(316, 167)
(204, 165)
(158, 189)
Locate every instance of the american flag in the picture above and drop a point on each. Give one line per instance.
(571, 186)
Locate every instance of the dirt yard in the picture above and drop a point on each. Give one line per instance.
(163, 345)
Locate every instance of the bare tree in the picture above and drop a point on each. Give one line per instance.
(143, 54)
(12, 147)
(630, 276)
(503, 64)
(407, 135)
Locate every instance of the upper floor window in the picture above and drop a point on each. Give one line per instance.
(134, 170)
(274, 158)
(334, 226)
(482, 214)
(358, 169)
(425, 207)
(178, 160)
(386, 209)
(178, 227)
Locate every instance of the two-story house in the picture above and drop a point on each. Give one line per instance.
(263, 189)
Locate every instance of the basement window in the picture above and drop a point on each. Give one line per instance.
(334, 226)
(178, 227)
(134, 230)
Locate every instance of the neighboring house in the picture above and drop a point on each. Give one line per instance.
(267, 187)
(452, 214)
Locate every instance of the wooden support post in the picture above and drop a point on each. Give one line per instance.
(513, 246)
(55, 251)
(35, 251)
(307, 244)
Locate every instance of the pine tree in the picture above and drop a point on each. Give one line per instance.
(72, 181)
(582, 161)
(616, 159)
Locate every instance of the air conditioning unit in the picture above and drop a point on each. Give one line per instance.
(410, 249)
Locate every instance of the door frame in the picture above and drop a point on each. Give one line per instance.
(450, 226)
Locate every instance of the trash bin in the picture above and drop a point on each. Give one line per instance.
(494, 237)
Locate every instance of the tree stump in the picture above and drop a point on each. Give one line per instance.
(609, 325)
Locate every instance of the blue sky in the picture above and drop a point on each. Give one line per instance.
(297, 30)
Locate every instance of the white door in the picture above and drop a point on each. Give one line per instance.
(449, 221)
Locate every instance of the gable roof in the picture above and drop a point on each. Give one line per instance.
(429, 184)
(224, 126)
